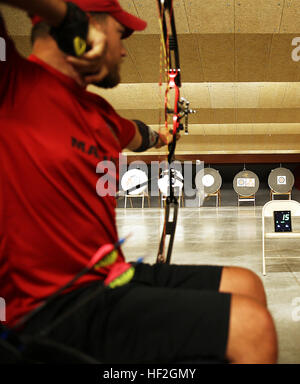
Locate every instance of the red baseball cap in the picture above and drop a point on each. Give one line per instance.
(112, 7)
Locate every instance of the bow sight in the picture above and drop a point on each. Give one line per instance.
(183, 112)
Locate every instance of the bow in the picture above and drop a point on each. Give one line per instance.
(170, 63)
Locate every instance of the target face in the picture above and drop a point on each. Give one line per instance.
(208, 179)
(281, 180)
(132, 178)
(164, 183)
(246, 183)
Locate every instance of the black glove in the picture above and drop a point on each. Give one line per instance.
(71, 34)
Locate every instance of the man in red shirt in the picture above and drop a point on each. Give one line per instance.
(53, 133)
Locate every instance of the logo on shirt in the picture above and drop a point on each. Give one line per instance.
(90, 150)
(2, 49)
(83, 147)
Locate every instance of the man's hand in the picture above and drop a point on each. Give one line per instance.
(165, 139)
(90, 65)
(146, 138)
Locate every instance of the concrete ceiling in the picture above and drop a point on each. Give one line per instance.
(237, 72)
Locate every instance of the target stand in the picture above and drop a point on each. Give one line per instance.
(209, 181)
(217, 195)
(246, 198)
(142, 196)
(281, 182)
(273, 193)
(246, 184)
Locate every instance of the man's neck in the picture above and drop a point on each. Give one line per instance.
(47, 50)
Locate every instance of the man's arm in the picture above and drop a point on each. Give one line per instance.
(145, 138)
(55, 13)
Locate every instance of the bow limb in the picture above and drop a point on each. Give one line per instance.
(170, 50)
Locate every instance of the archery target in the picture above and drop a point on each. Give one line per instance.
(164, 183)
(209, 179)
(132, 178)
(246, 183)
(281, 180)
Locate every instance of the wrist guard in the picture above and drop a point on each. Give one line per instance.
(149, 137)
(71, 34)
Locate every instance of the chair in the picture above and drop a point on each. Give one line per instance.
(142, 195)
(178, 193)
(25, 349)
(246, 198)
(267, 212)
(9, 353)
(217, 195)
(273, 193)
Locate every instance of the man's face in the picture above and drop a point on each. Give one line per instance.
(115, 52)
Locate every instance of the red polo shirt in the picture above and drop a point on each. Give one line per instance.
(53, 133)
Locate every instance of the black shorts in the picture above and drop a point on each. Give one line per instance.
(167, 313)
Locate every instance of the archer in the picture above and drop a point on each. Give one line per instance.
(53, 221)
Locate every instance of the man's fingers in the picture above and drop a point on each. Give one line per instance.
(97, 51)
(94, 78)
(163, 139)
(90, 64)
(84, 67)
(96, 39)
(78, 62)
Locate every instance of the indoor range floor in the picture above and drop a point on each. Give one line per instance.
(228, 235)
